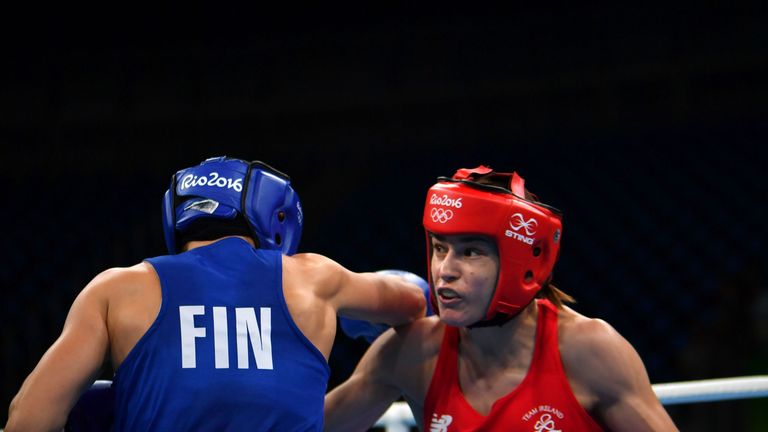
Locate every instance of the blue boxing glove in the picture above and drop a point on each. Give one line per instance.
(94, 411)
(370, 331)
(361, 329)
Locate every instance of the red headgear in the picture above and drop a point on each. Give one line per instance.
(527, 233)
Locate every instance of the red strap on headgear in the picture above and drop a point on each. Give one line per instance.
(465, 173)
(517, 185)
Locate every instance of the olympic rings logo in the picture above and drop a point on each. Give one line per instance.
(441, 215)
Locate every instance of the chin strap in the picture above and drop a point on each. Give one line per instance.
(500, 319)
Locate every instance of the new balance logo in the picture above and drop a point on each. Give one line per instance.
(440, 424)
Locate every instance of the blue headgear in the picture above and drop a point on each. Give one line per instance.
(223, 188)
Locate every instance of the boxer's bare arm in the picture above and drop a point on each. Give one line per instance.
(70, 365)
(357, 403)
(379, 298)
(400, 362)
(369, 296)
(317, 288)
(602, 361)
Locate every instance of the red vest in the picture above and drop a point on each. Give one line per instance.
(542, 402)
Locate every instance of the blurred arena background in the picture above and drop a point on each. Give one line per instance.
(645, 126)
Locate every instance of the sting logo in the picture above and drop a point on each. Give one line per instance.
(518, 222)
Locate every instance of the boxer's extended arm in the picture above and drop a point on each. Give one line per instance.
(372, 297)
(379, 298)
(355, 328)
(68, 367)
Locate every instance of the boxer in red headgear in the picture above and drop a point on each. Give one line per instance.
(504, 352)
(525, 233)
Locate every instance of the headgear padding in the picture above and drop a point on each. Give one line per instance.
(527, 233)
(222, 189)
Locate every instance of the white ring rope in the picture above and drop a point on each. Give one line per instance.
(399, 417)
(711, 390)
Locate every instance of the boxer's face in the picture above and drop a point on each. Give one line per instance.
(464, 270)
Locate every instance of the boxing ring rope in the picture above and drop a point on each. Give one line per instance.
(398, 417)
(711, 390)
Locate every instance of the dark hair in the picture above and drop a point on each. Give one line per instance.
(213, 228)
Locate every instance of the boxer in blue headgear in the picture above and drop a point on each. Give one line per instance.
(232, 330)
(230, 196)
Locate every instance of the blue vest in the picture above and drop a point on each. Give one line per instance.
(224, 352)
